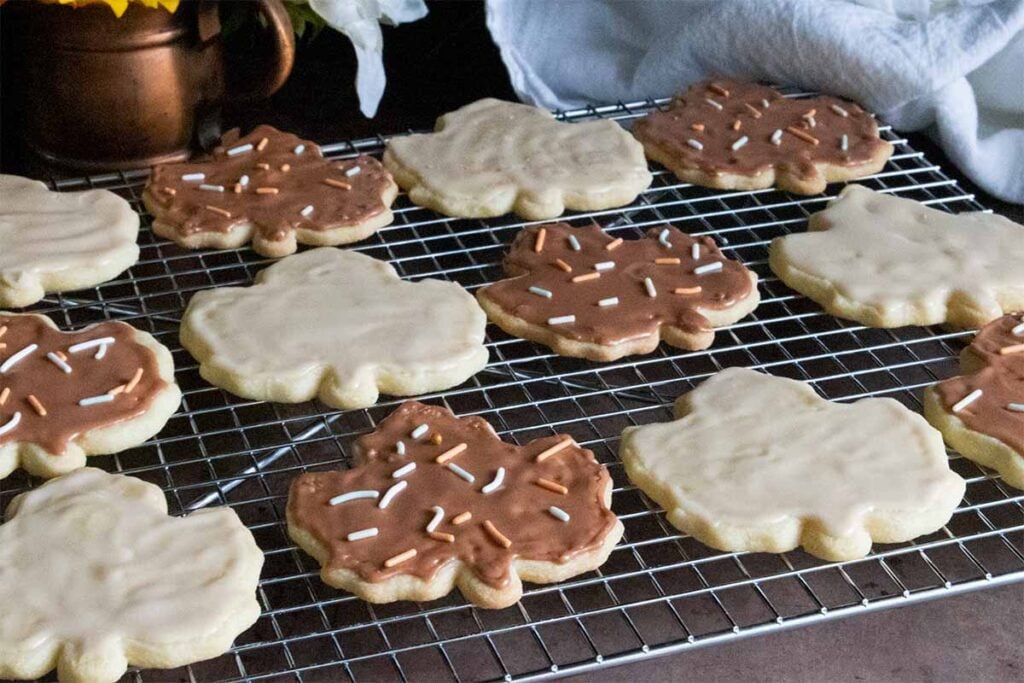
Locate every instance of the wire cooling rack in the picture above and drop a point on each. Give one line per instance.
(660, 591)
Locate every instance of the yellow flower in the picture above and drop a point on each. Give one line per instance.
(119, 6)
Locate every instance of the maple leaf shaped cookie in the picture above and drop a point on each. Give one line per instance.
(67, 395)
(435, 501)
(760, 463)
(981, 413)
(885, 261)
(97, 577)
(735, 135)
(273, 188)
(585, 294)
(336, 325)
(491, 157)
(60, 241)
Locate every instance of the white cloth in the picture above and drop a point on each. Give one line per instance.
(953, 67)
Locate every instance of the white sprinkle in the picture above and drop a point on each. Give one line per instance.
(211, 188)
(101, 352)
(461, 472)
(1018, 330)
(362, 534)
(10, 362)
(811, 122)
(400, 447)
(695, 251)
(391, 493)
(1015, 407)
(708, 268)
(649, 286)
(604, 265)
(714, 104)
(839, 110)
(194, 177)
(777, 137)
(56, 360)
(495, 483)
(967, 400)
(92, 343)
(353, 495)
(93, 400)
(574, 243)
(559, 513)
(610, 301)
(696, 144)
(739, 143)
(765, 104)
(355, 170)
(419, 431)
(10, 424)
(540, 291)
(307, 211)
(244, 181)
(403, 470)
(663, 238)
(562, 320)
(435, 521)
(241, 149)
(844, 142)
(299, 149)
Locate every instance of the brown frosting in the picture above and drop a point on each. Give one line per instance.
(1000, 376)
(637, 314)
(518, 510)
(310, 180)
(58, 392)
(691, 117)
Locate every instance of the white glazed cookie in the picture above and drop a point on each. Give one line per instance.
(884, 261)
(66, 395)
(491, 157)
(760, 463)
(60, 241)
(337, 325)
(97, 577)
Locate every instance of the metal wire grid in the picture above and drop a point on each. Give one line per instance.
(660, 591)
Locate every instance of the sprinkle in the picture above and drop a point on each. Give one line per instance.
(714, 104)
(777, 137)
(562, 320)
(753, 110)
(134, 382)
(604, 265)
(285, 168)
(266, 190)
(797, 133)
(10, 424)
(1018, 330)
(3, 330)
(436, 520)
(495, 484)
(614, 244)
(337, 183)
(574, 243)
(649, 286)
(839, 110)
(92, 343)
(663, 238)
(93, 400)
(262, 145)
(436, 438)
(119, 389)
(708, 268)
(451, 453)
(461, 472)
(237, 188)
(765, 103)
(101, 353)
(403, 470)
(695, 251)
(37, 405)
(499, 537)
(263, 165)
(811, 123)
(809, 114)
(353, 495)
(610, 301)
(844, 142)
(696, 144)
(299, 149)
(563, 265)
(193, 177)
(169, 190)
(20, 355)
(688, 290)
(362, 534)
(1013, 348)
(739, 143)
(547, 453)
(308, 211)
(218, 210)
(559, 513)
(442, 536)
(540, 291)
(241, 149)
(462, 518)
(4, 394)
(737, 124)
(552, 486)
(667, 261)
(967, 400)
(59, 362)
(419, 431)
(400, 558)
(355, 170)
(586, 276)
(697, 127)
(538, 245)
(400, 447)
(391, 493)
(718, 90)
(1015, 407)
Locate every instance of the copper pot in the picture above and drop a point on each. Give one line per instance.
(102, 92)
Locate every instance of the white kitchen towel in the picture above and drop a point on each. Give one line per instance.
(953, 67)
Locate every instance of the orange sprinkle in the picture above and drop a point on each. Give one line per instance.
(3, 346)
(450, 453)
(538, 245)
(586, 276)
(500, 538)
(667, 261)
(3, 330)
(688, 290)
(613, 244)
(262, 145)
(810, 114)
(4, 395)
(134, 382)
(737, 124)
(60, 354)
(442, 536)
(37, 405)
(797, 133)
(718, 90)
(285, 168)
(400, 557)
(551, 486)
(564, 443)
(563, 265)
(266, 190)
(697, 127)
(337, 183)
(437, 439)
(263, 165)
(218, 210)
(119, 389)
(170, 190)
(462, 518)
(1013, 348)
(752, 109)
(237, 188)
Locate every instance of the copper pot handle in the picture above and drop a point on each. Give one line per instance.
(280, 63)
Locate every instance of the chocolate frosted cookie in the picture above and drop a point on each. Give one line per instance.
(272, 188)
(744, 136)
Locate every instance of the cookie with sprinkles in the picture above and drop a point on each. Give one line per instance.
(272, 188)
(735, 135)
(587, 294)
(67, 395)
(435, 502)
(981, 412)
